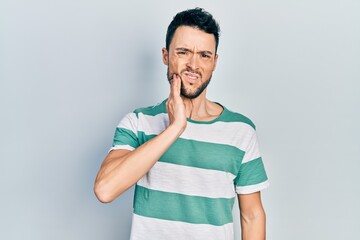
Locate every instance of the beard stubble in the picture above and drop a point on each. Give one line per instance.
(184, 92)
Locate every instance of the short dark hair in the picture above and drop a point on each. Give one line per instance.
(197, 18)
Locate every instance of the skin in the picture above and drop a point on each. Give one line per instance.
(252, 217)
(191, 60)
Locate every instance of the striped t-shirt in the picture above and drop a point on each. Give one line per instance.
(190, 191)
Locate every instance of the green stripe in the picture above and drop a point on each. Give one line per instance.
(201, 154)
(125, 137)
(179, 207)
(251, 173)
(229, 116)
(142, 137)
(152, 110)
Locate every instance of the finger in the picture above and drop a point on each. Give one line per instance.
(173, 86)
(177, 85)
(167, 106)
(171, 80)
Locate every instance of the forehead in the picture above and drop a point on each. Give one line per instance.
(193, 38)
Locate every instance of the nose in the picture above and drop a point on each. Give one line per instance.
(193, 62)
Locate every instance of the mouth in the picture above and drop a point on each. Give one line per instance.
(190, 77)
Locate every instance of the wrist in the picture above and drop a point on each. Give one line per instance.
(177, 128)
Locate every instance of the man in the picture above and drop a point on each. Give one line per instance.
(189, 157)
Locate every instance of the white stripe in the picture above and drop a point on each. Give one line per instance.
(129, 122)
(151, 125)
(237, 134)
(125, 147)
(145, 228)
(252, 150)
(189, 181)
(252, 188)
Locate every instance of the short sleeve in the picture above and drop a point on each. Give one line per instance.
(126, 136)
(252, 175)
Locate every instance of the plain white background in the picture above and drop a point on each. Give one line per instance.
(70, 70)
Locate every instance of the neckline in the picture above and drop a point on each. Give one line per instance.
(210, 121)
(218, 118)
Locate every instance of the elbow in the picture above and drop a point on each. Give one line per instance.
(102, 194)
(254, 216)
(107, 191)
(103, 198)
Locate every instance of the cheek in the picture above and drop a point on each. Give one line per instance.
(176, 65)
(209, 68)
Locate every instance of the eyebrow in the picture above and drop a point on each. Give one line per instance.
(188, 50)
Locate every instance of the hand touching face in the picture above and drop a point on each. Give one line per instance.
(175, 105)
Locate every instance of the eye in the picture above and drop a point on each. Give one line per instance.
(182, 52)
(204, 55)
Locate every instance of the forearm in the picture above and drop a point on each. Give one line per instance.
(121, 169)
(118, 174)
(253, 227)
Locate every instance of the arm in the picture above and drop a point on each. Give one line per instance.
(252, 214)
(123, 168)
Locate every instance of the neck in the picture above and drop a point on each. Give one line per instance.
(201, 108)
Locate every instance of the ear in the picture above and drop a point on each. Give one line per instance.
(215, 62)
(165, 56)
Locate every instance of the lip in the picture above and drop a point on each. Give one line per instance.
(191, 77)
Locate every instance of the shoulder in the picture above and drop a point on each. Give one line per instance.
(231, 116)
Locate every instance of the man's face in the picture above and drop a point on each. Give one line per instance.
(192, 56)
